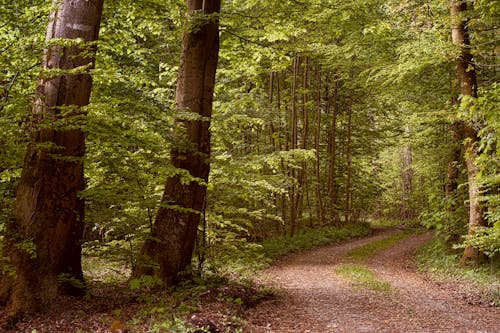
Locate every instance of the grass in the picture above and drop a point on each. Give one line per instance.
(364, 252)
(442, 263)
(278, 247)
(359, 275)
(362, 277)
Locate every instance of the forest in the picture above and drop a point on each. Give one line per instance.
(155, 152)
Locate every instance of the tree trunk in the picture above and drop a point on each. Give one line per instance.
(317, 138)
(43, 240)
(348, 194)
(332, 154)
(169, 251)
(466, 75)
(406, 211)
(293, 145)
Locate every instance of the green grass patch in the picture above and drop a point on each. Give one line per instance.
(388, 223)
(364, 252)
(361, 277)
(279, 247)
(443, 263)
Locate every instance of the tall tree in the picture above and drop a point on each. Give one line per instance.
(466, 75)
(169, 251)
(43, 239)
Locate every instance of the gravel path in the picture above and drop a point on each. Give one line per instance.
(312, 298)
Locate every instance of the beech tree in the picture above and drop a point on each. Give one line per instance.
(42, 242)
(169, 250)
(466, 75)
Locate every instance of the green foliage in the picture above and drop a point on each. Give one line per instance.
(361, 277)
(21, 44)
(390, 62)
(447, 216)
(487, 240)
(145, 282)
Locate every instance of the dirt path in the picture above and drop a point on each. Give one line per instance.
(312, 298)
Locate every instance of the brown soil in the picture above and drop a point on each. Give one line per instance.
(312, 298)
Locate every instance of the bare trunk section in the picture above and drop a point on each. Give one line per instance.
(317, 138)
(332, 152)
(466, 75)
(44, 237)
(302, 181)
(293, 145)
(348, 192)
(406, 210)
(169, 251)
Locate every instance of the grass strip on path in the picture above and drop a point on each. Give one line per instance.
(359, 275)
(362, 277)
(362, 253)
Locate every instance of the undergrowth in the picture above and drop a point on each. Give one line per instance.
(442, 263)
(278, 247)
(224, 284)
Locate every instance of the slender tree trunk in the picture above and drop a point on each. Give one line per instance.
(406, 212)
(271, 123)
(281, 137)
(452, 175)
(169, 251)
(302, 173)
(466, 75)
(43, 240)
(317, 138)
(348, 194)
(293, 145)
(332, 152)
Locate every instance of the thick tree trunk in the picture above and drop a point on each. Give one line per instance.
(169, 251)
(44, 237)
(466, 75)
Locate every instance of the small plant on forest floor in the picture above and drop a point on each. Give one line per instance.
(361, 277)
(364, 252)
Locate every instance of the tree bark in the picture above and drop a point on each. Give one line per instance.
(332, 152)
(466, 75)
(168, 252)
(406, 211)
(317, 138)
(43, 240)
(348, 192)
(293, 145)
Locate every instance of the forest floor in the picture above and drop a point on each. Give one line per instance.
(312, 296)
(328, 289)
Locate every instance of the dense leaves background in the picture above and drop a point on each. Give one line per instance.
(390, 64)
